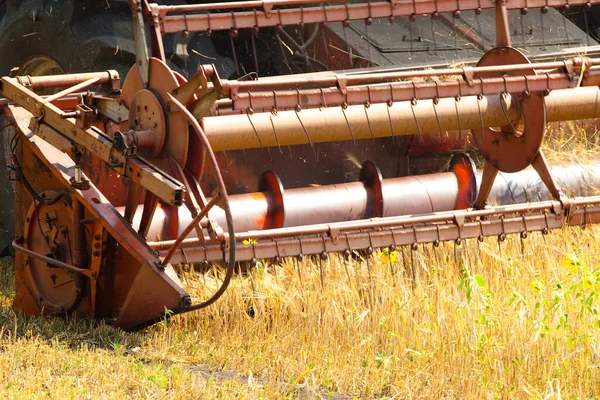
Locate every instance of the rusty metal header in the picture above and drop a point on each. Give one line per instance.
(259, 14)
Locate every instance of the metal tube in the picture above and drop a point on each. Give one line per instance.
(526, 186)
(16, 244)
(263, 14)
(424, 194)
(352, 78)
(57, 81)
(372, 198)
(236, 132)
(267, 100)
(73, 89)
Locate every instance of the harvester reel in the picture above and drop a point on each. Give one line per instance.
(515, 146)
(508, 148)
(163, 125)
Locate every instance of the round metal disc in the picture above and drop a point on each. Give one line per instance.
(505, 149)
(196, 163)
(161, 81)
(48, 231)
(146, 112)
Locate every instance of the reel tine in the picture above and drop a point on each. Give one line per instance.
(584, 10)
(254, 52)
(564, 10)
(346, 24)
(456, 101)
(248, 113)
(321, 271)
(348, 48)
(479, 26)
(411, 19)
(434, 103)
(389, 105)
(543, 12)
(366, 107)
(434, 17)
(413, 103)
(344, 106)
(522, 18)
(275, 133)
(454, 14)
(297, 111)
(413, 271)
(367, 23)
(504, 95)
(232, 34)
(325, 44)
(479, 98)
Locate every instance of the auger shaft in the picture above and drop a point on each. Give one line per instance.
(311, 216)
(373, 197)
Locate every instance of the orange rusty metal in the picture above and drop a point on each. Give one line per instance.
(78, 253)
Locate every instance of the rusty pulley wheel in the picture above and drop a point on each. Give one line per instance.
(49, 231)
(513, 147)
(161, 82)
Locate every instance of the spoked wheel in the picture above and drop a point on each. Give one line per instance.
(170, 137)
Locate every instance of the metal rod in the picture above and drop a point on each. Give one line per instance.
(203, 213)
(387, 232)
(400, 91)
(334, 79)
(252, 16)
(16, 244)
(72, 89)
(234, 132)
(57, 81)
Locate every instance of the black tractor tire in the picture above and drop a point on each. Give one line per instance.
(79, 36)
(41, 37)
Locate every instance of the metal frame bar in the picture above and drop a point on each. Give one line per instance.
(395, 231)
(49, 122)
(251, 14)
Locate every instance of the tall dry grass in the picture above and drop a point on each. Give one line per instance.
(517, 319)
(483, 320)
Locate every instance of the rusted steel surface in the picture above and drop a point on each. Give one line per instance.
(402, 91)
(373, 197)
(398, 231)
(58, 81)
(257, 210)
(382, 120)
(356, 78)
(275, 13)
(340, 89)
(135, 295)
(67, 132)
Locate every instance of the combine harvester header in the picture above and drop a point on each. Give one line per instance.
(116, 183)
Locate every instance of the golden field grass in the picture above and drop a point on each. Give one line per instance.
(517, 319)
(477, 321)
